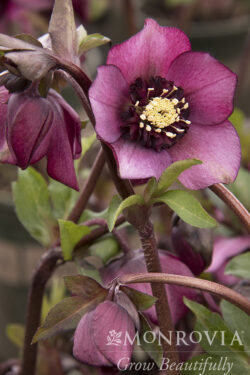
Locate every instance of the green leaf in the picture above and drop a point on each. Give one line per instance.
(92, 273)
(117, 206)
(238, 321)
(92, 41)
(63, 199)
(187, 207)
(153, 349)
(171, 174)
(62, 30)
(70, 234)
(239, 266)
(31, 198)
(67, 313)
(150, 188)
(15, 333)
(211, 325)
(105, 248)
(141, 300)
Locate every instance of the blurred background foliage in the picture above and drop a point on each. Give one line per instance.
(220, 27)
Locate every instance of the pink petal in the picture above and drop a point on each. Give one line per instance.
(84, 348)
(217, 146)
(138, 162)
(226, 248)
(208, 85)
(109, 317)
(150, 52)
(108, 95)
(221, 277)
(28, 121)
(171, 264)
(72, 121)
(60, 164)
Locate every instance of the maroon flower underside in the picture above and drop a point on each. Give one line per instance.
(157, 102)
(33, 127)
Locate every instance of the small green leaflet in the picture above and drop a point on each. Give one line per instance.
(171, 174)
(187, 207)
(117, 205)
(70, 234)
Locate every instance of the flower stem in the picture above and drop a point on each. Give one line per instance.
(162, 307)
(129, 11)
(192, 282)
(232, 202)
(43, 272)
(87, 188)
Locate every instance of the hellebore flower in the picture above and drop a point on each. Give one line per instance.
(134, 262)
(100, 336)
(157, 102)
(224, 250)
(32, 127)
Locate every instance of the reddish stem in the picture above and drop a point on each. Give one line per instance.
(191, 282)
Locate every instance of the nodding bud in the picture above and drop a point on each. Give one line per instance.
(31, 65)
(192, 245)
(34, 127)
(101, 337)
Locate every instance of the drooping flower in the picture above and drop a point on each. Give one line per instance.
(134, 262)
(32, 127)
(100, 337)
(156, 102)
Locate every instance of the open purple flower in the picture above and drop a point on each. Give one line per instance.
(100, 337)
(32, 127)
(157, 102)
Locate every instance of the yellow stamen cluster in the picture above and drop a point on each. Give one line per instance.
(160, 112)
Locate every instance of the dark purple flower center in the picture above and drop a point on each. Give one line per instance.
(157, 115)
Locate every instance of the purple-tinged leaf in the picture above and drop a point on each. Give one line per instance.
(67, 314)
(83, 286)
